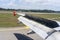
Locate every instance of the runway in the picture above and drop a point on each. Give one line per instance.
(20, 34)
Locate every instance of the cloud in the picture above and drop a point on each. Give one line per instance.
(41, 4)
(31, 4)
(32, 1)
(12, 3)
(45, 2)
(3, 0)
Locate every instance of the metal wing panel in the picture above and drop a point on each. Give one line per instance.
(34, 27)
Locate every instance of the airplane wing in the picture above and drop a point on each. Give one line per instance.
(43, 27)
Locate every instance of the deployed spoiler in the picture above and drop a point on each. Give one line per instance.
(43, 21)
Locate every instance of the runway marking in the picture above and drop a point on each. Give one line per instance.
(10, 29)
(27, 27)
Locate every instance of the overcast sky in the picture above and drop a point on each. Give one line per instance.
(31, 4)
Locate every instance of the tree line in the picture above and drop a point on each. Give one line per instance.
(24, 10)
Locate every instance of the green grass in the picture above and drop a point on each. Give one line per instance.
(48, 16)
(8, 20)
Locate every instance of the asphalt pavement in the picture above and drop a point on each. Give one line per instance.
(20, 34)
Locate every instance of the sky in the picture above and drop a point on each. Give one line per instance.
(31, 4)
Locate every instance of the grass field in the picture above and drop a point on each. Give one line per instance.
(48, 16)
(8, 20)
